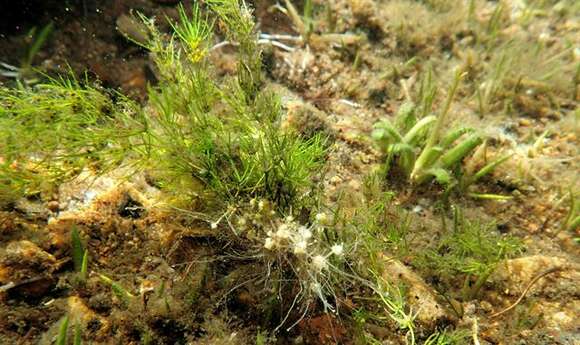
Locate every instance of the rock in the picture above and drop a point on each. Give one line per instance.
(132, 29)
(420, 296)
(25, 270)
(78, 310)
(26, 253)
(514, 275)
(92, 325)
(555, 294)
(32, 210)
(53, 206)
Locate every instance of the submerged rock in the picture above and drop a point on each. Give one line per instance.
(25, 270)
(551, 282)
(514, 275)
(421, 298)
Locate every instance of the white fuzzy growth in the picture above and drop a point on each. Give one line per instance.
(300, 248)
(283, 232)
(337, 249)
(304, 232)
(269, 243)
(319, 262)
(321, 217)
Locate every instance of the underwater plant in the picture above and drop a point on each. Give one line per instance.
(52, 131)
(471, 250)
(225, 134)
(421, 149)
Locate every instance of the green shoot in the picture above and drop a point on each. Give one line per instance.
(495, 197)
(77, 249)
(486, 170)
(494, 23)
(194, 32)
(427, 154)
(572, 220)
(427, 92)
(223, 138)
(308, 17)
(62, 331)
(238, 20)
(261, 338)
(445, 337)
(84, 266)
(38, 40)
(298, 21)
(24, 73)
(77, 340)
(124, 295)
(393, 302)
(420, 149)
(490, 88)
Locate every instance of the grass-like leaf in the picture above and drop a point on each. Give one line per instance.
(123, 294)
(77, 340)
(62, 331)
(84, 266)
(77, 249)
(487, 169)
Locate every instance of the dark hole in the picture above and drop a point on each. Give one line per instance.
(93, 325)
(170, 330)
(503, 228)
(131, 209)
(378, 96)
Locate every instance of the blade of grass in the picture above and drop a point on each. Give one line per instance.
(62, 332)
(416, 132)
(119, 291)
(84, 266)
(459, 151)
(77, 340)
(496, 197)
(487, 169)
(77, 249)
(426, 154)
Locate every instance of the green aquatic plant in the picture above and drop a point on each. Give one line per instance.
(221, 140)
(122, 294)
(572, 220)
(446, 337)
(226, 135)
(53, 131)
(194, 32)
(62, 331)
(80, 255)
(77, 249)
(213, 135)
(206, 137)
(423, 151)
(25, 73)
(520, 72)
(471, 250)
(304, 23)
(393, 301)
